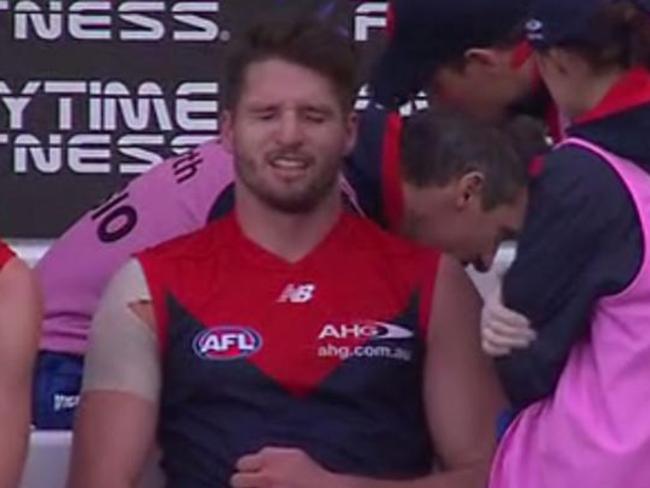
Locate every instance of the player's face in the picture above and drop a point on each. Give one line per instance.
(456, 222)
(289, 135)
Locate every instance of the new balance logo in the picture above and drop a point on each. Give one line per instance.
(301, 293)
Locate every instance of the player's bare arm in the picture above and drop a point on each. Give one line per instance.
(20, 317)
(115, 427)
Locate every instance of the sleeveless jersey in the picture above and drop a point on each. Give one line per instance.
(5, 254)
(325, 354)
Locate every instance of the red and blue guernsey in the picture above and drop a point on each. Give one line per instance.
(325, 354)
(5, 254)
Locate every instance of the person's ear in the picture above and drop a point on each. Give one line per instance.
(484, 59)
(470, 189)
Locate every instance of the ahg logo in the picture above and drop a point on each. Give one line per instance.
(369, 16)
(132, 21)
(366, 329)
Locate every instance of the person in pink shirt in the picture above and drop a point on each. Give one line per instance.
(175, 198)
(580, 379)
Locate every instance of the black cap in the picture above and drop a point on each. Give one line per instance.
(556, 21)
(428, 33)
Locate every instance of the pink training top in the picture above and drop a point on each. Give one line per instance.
(173, 198)
(594, 431)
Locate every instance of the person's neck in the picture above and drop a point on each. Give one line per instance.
(290, 236)
(593, 91)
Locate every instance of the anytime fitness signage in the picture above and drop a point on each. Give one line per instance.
(95, 92)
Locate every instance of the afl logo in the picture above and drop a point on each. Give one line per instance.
(227, 343)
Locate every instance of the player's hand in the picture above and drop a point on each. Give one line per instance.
(502, 329)
(275, 467)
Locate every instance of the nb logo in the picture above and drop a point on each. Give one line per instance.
(301, 293)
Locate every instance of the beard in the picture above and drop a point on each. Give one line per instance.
(295, 197)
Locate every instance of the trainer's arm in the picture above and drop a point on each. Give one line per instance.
(20, 316)
(463, 400)
(115, 426)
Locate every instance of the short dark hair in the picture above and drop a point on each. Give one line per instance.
(441, 145)
(302, 40)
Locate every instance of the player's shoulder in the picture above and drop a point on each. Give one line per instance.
(207, 165)
(6, 254)
(370, 238)
(16, 278)
(211, 153)
(208, 157)
(199, 245)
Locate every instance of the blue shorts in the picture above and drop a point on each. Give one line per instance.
(57, 385)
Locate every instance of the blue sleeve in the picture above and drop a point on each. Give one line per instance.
(581, 241)
(373, 167)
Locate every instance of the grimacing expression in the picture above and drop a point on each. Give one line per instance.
(288, 133)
